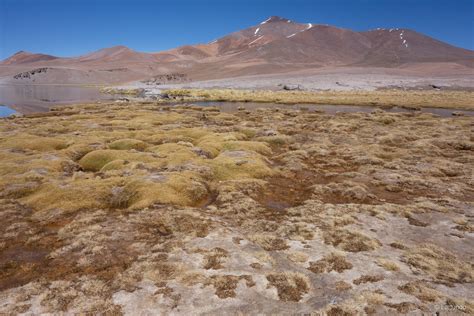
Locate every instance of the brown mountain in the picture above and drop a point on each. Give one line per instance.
(273, 46)
(315, 44)
(116, 53)
(399, 46)
(23, 57)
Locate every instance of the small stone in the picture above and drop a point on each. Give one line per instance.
(291, 87)
(212, 208)
(270, 132)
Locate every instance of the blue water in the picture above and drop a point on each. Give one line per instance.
(5, 111)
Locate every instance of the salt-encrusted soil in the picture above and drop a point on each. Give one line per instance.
(144, 209)
(421, 77)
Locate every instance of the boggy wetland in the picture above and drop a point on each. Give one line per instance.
(135, 207)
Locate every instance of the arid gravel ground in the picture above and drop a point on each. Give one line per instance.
(335, 79)
(141, 208)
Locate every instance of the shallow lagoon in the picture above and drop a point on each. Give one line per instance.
(6, 111)
(40, 98)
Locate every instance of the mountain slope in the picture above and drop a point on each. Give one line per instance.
(23, 57)
(116, 53)
(269, 30)
(320, 44)
(398, 46)
(274, 45)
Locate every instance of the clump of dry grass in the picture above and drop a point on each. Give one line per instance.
(387, 264)
(214, 258)
(19, 190)
(179, 188)
(76, 151)
(127, 144)
(214, 142)
(264, 256)
(269, 242)
(226, 285)
(297, 231)
(464, 226)
(332, 262)
(412, 99)
(460, 305)
(290, 286)
(371, 298)
(350, 240)
(160, 271)
(398, 245)
(414, 221)
(95, 160)
(440, 264)
(259, 147)
(32, 142)
(341, 311)
(368, 278)
(403, 307)
(342, 286)
(129, 92)
(74, 195)
(298, 256)
(120, 197)
(239, 165)
(172, 154)
(177, 222)
(191, 278)
(420, 290)
(117, 164)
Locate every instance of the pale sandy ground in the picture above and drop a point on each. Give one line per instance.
(343, 79)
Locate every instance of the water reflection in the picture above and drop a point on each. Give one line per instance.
(38, 98)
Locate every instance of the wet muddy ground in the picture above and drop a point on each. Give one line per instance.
(140, 208)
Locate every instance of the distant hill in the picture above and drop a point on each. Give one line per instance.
(23, 57)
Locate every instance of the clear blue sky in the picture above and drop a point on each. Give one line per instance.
(73, 27)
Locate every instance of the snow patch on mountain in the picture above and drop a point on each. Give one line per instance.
(259, 38)
(404, 41)
(307, 28)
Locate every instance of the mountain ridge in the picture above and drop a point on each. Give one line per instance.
(275, 44)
